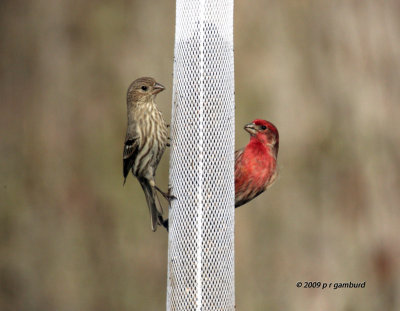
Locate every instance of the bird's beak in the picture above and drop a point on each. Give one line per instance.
(250, 128)
(158, 88)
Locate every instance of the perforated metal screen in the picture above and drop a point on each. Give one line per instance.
(201, 236)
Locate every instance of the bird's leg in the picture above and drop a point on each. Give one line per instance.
(167, 195)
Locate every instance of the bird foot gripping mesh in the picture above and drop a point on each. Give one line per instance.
(201, 234)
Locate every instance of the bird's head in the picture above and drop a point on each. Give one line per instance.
(264, 132)
(143, 90)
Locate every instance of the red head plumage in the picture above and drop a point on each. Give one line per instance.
(264, 132)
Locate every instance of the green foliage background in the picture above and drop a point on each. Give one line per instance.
(325, 72)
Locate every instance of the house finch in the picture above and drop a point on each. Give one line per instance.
(255, 165)
(145, 142)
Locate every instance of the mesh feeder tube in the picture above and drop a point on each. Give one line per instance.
(201, 218)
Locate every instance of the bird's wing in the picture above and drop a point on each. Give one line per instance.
(238, 154)
(131, 149)
(273, 178)
(238, 176)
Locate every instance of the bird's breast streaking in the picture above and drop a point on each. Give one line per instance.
(153, 136)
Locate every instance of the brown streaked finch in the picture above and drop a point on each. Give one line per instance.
(145, 141)
(256, 164)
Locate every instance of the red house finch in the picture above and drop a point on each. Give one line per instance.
(145, 142)
(255, 165)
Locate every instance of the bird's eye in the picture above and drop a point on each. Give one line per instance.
(263, 127)
(144, 88)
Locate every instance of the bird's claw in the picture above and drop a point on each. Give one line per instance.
(168, 196)
(171, 198)
(163, 222)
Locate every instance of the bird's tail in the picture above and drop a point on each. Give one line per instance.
(150, 194)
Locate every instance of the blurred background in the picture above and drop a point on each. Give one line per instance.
(327, 74)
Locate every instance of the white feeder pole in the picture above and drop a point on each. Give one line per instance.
(201, 219)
